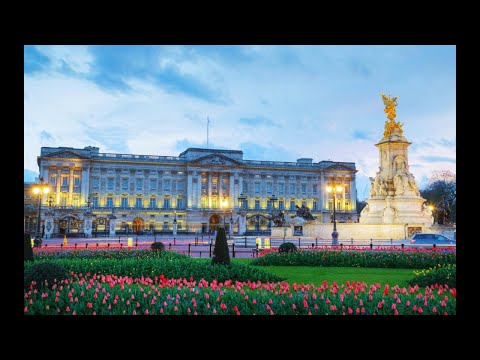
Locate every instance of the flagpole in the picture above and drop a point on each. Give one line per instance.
(208, 123)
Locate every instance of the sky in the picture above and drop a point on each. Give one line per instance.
(277, 103)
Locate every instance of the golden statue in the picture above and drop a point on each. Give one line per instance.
(391, 125)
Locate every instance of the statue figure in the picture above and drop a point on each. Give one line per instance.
(278, 218)
(426, 210)
(304, 212)
(372, 187)
(404, 181)
(391, 125)
(365, 210)
(380, 186)
(443, 211)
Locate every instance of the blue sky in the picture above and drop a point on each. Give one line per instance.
(273, 102)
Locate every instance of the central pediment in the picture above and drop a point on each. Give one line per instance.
(65, 154)
(216, 159)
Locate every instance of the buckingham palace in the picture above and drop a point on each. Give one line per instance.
(93, 193)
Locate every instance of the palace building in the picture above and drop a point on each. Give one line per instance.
(196, 191)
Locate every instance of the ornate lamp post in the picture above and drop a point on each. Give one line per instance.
(242, 228)
(334, 187)
(175, 223)
(39, 190)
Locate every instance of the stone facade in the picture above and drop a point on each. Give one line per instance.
(198, 190)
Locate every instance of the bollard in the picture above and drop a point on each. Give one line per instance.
(108, 245)
(86, 245)
(351, 241)
(169, 246)
(341, 246)
(46, 246)
(174, 241)
(119, 239)
(210, 253)
(312, 245)
(391, 241)
(316, 242)
(434, 246)
(233, 249)
(298, 242)
(245, 241)
(189, 249)
(121, 246)
(371, 245)
(61, 246)
(136, 242)
(96, 246)
(75, 245)
(403, 245)
(200, 254)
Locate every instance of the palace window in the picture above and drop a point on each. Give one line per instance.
(180, 203)
(292, 205)
(269, 188)
(347, 205)
(95, 182)
(180, 185)
(64, 180)
(124, 203)
(110, 184)
(257, 204)
(76, 201)
(315, 206)
(281, 204)
(245, 186)
(53, 180)
(257, 188)
(94, 202)
(166, 185)
(153, 184)
(139, 184)
(292, 188)
(304, 203)
(138, 203)
(76, 181)
(166, 203)
(214, 203)
(153, 203)
(203, 203)
(204, 185)
(124, 184)
(109, 202)
(224, 184)
(63, 201)
(304, 188)
(314, 189)
(281, 188)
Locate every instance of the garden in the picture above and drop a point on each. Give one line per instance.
(283, 281)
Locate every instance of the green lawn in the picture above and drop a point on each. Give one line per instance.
(316, 275)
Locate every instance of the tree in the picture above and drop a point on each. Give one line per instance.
(220, 251)
(360, 206)
(442, 183)
(27, 248)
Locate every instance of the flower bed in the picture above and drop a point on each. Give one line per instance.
(436, 275)
(100, 253)
(115, 295)
(170, 264)
(391, 257)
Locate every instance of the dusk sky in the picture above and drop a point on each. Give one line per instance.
(272, 102)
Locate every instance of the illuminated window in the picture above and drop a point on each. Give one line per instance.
(180, 203)
(124, 203)
(109, 202)
(53, 180)
(315, 206)
(214, 203)
(281, 204)
(94, 201)
(257, 204)
(76, 181)
(224, 184)
(138, 203)
(203, 202)
(76, 201)
(64, 180)
(166, 203)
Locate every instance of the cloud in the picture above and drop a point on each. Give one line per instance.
(34, 60)
(258, 120)
(439, 159)
(45, 136)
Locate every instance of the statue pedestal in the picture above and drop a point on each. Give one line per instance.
(397, 210)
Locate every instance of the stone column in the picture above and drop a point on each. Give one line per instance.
(49, 224)
(59, 183)
(87, 225)
(321, 193)
(353, 193)
(113, 224)
(240, 189)
(199, 190)
(85, 182)
(70, 187)
(209, 187)
(189, 190)
(219, 186)
(231, 191)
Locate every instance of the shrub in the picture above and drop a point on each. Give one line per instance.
(158, 246)
(441, 275)
(287, 247)
(44, 274)
(220, 252)
(27, 248)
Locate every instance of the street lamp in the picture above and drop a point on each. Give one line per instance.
(241, 200)
(39, 190)
(334, 187)
(175, 223)
(223, 206)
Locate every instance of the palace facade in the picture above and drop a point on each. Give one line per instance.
(197, 190)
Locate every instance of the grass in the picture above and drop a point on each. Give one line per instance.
(316, 275)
